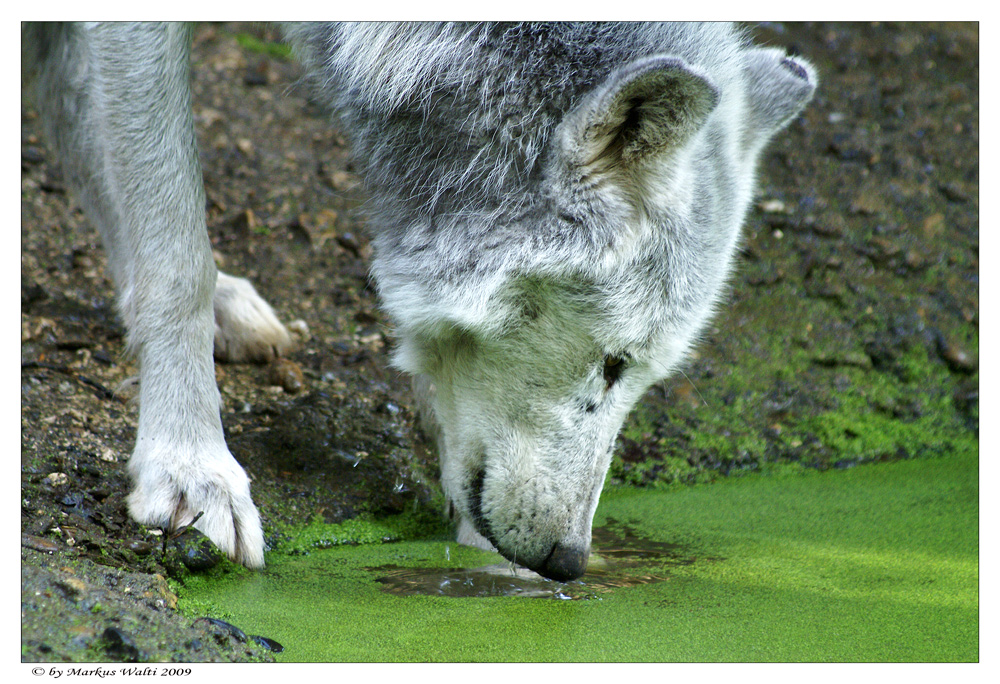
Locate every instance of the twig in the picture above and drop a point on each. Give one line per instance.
(100, 389)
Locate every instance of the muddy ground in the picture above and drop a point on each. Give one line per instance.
(849, 334)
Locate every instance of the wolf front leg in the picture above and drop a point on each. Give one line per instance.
(118, 106)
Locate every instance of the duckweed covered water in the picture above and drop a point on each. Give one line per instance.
(877, 563)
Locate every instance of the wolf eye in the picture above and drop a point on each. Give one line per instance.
(613, 367)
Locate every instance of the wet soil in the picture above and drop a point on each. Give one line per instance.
(850, 332)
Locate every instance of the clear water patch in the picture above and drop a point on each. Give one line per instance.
(621, 557)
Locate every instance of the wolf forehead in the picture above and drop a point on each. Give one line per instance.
(487, 97)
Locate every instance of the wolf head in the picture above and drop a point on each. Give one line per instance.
(556, 210)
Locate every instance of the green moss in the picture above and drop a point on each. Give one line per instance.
(833, 390)
(878, 563)
(364, 530)
(874, 419)
(740, 444)
(262, 47)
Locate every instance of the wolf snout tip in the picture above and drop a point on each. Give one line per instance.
(565, 563)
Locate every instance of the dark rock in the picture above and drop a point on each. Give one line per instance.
(119, 645)
(39, 544)
(269, 644)
(223, 628)
(957, 358)
(190, 550)
(955, 192)
(140, 547)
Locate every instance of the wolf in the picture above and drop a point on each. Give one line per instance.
(554, 209)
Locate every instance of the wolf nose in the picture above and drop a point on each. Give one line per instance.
(565, 563)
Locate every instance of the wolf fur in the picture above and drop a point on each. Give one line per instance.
(555, 208)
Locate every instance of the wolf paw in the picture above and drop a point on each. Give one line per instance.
(246, 328)
(173, 497)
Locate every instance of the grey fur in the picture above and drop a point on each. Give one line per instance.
(554, 209)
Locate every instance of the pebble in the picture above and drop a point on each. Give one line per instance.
(119, 645)
(883, 249)
(914, 260)
(832, 226)
(140, 547)
(287, 375)
(192, 549)
(89, 469)
(231, 630)
(269, 644)
(773, 206)
(160, 596)
(957, 358)
(955, 193)
(73, 587)
(32, 155)
(240, 635)
(56, 479)
(867, 203)
(38, 544)
(300, 328)
(245, 146)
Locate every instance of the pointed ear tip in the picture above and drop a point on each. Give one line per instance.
(800, 68)
(796, 68)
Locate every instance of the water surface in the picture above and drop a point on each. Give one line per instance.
(876, 563)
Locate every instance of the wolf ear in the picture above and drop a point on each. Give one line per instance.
(643, 109)
(778, 87)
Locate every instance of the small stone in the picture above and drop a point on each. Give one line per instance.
(160, 593)
(192, 550)
(56, 479)
(287, 375)
(119, 645)
(299, 328)
(38, 543)
(269, 644)
(857, 359)
(343, 181)
(73, 587)
(867, 203)
(957, 358)
(773, 206)
(933, 226)
(224, 627)
(85, 631)
(914, 260)
(140, 547)
(955, 193)
(882, 249)
(32, 155)
(830, 226)
(245, 146)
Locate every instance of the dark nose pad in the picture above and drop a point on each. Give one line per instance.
(565, 563)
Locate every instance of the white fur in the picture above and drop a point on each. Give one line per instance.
(555, 210)
(246, 328)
